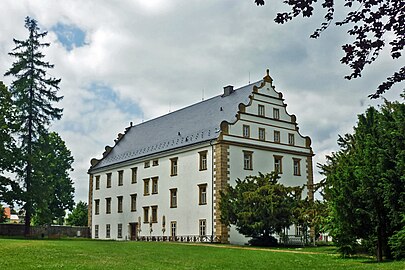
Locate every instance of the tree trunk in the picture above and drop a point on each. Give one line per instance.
(379, 245)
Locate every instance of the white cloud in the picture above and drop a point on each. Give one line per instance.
(160, 54)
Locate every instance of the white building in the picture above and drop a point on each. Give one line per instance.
(162, 178)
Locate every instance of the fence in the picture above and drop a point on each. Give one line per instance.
(48, 231)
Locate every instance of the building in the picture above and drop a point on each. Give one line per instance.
(161, 179)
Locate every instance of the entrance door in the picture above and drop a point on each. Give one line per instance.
(134, 231)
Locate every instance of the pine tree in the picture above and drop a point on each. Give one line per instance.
(33, 93)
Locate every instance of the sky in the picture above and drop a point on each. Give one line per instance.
(134, 60)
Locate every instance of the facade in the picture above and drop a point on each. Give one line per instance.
(161, 179)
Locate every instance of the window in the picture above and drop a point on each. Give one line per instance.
(290, 138)
(298, 230)
(95, 231)
(261, 110)
(203, 160)
(120, 178)
(203, 227)
(146, 214)
(297, 166)
(262, 134)
(155, 162)
(133, 202)
(247, 160)
(276, 113)
(173, 228)
(146, 164)
(276, 136)
(108, 180)
(246, 131)
(119, 233)
(278, 165)
(202, 194)
(120, 198)
(107, 231)
(134, 175)
(146, 186)
(96, 207)
(173, 167)
(155, 185)
(173, 198)
(154, 214)
(108, 205)
(97, 182)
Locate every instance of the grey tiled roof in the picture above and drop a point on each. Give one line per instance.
(193, 124)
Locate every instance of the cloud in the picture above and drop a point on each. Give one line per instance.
(123, 61)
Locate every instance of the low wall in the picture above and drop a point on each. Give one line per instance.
(49, 231)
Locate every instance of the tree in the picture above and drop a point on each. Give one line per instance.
(365, 181)
(372, 23)
(2, 214)
(259, 206)
(52, 161)
(7, 143)
(78, 217)
(33, 94)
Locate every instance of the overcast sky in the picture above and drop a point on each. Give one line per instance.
(134, 60)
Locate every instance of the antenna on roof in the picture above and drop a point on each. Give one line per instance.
(170, 106)
(249, 77)
(202, 95)
(142, 117)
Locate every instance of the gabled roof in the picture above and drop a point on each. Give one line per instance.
(197, 123)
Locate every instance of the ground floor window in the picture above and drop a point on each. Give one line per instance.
(203, 227)
(95, 231)
(119, 234)
(107, 231)
(173, 229)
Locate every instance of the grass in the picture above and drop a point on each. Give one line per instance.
(92, 254)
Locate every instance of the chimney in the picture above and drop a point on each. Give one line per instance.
(228, 90)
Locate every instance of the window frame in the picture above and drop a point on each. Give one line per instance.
(248, 160)
(134, 175)
(262, 131)
(146, 164)
(146, 187)
(120, 177)
(133, 202)
(119, 230)
(174, 166)
(107, 230)
(203, 161)
(97, 184)
(276, 113)
(145, 214)
(108, 205)
(108, 184)
(96, 230)
(97, 207)
(261, 111)
(155, 185)
(202, 194)
(291, 139)
(202, 228)
(277, 136)
(173, 198)
(297, 161)
(155, 162)
(280, 159)
(154, 214)
(120, 206)
(246, 131)
(173, 228)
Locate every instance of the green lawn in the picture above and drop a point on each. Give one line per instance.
(91, 254)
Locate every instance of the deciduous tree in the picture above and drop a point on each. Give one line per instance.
(374, 24)
(78, 217)
(365, 180)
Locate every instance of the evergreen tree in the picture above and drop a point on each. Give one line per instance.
(365, 181)
(33, 93)
(259, 206)
(78, 217)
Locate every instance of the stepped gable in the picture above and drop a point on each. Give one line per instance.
(197, 123)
